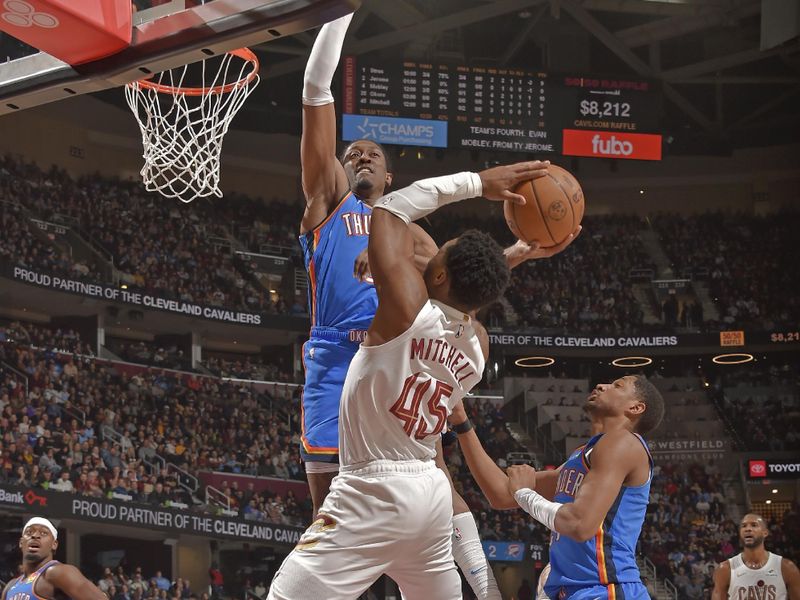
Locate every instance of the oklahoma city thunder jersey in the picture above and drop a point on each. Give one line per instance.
(22, 588)
(336, 298)
(609, 558)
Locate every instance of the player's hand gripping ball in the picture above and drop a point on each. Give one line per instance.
(552, 211)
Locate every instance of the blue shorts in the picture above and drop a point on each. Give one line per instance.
(326, 358)
(617, 591)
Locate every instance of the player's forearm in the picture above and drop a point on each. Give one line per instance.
(491, 479)
(323, 61)
(427, 195)
(572, 523)
(717, 594)
(565, 519)
(513, 259)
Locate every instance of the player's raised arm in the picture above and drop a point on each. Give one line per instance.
(401, 288)
(491, 478)
(615, 459)
(722, 580)
(324, 179)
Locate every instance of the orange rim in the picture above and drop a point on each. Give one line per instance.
(244, 53)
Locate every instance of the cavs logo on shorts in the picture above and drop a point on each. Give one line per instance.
(311, 536)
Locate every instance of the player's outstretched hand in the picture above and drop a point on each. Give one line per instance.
(361, 266)
(521, 476)
(498, 181)
(521, 251)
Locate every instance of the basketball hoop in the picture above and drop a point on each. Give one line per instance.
(183, 127)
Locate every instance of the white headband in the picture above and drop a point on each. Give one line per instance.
(45, 523)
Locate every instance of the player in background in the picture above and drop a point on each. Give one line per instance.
(43, 577)
(755, 573)
(595, 503)
(340, 193)
(390, 509)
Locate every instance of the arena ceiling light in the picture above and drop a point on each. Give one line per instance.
(534, 362)
(735, 358)
(628, 362)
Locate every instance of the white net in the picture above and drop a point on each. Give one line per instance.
(183, 127)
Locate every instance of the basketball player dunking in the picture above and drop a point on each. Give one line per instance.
(389, 509)
(756, 574)
(340, 193)
(595, 503)
(43, 577)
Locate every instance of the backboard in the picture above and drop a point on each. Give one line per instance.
(166, 34)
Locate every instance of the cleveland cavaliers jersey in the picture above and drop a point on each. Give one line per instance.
(397, 396)
(765, 583)
(610, 556)
(336, 298)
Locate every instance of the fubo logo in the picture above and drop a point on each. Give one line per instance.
(607, 144)
(611, 146)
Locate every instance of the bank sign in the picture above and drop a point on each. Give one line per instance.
(65, 505)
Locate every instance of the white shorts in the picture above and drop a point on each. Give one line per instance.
(388, 517)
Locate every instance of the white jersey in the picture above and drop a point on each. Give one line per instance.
(397, 396)
(765, 583)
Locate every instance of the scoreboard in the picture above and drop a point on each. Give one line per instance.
(499, 109)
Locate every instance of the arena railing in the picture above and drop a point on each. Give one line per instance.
(112, 435)
(154, 462)
(185, 479)
(670, 588)
(76, 413)
(219, 499)
(18, 373)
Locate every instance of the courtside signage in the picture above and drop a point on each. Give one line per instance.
(688, 449)
(608, 144)
(63, 505)
(393, 130)
(773, 469)
(505, 551)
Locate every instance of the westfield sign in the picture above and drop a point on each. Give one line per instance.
(606, 144)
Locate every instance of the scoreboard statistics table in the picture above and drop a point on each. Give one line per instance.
(499, 109)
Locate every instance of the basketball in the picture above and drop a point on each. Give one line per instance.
(553, 208)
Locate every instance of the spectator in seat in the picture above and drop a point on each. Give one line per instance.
(161, 582)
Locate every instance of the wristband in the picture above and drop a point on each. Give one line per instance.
(323, 61)
(462, 427)
(537, 506)
(426, 195)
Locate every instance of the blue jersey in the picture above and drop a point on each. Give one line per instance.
(610, 556)
(22, 588)
(337, 299)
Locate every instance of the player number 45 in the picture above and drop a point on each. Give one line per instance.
(407, 406)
